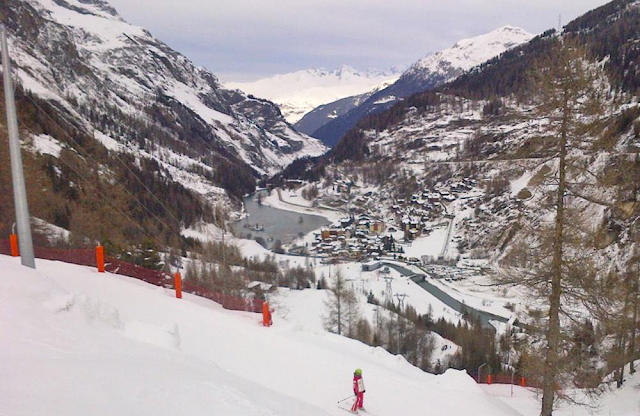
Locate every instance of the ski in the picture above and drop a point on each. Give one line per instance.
(347, 410)
(359, 411)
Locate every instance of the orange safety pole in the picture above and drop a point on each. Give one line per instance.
(523, 382)
(266, 314)
(178, 283)
(100, 259)
(15, 250)
(489, 379)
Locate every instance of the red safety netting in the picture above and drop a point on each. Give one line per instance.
(154, 277)
(87, 257)
(235, 303)
(507, 379)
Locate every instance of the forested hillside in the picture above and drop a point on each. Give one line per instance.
(113, 201)
(128, 140)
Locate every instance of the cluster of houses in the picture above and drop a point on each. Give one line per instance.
(415, 215)
(362, 235)
(354, 236)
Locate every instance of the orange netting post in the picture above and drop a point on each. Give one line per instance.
(266, 314)
(178, 284)
(489, 379)
(100, 259)
(523, 382)
(15, 250)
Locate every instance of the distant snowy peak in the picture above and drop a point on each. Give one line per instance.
(468, 53)
(347, 72)
(324, 113)
(299, 92)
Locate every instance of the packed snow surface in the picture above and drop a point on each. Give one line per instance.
(76, 342)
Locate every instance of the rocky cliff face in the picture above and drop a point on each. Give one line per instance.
(121, 85)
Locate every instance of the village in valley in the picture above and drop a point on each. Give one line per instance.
(374, 225)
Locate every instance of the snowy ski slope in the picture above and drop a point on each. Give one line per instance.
(75, 342)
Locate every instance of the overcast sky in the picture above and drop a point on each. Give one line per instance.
(242, 40)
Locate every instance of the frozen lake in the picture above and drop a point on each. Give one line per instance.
(275, 224)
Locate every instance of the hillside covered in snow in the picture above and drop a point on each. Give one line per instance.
(97, 69)
(82, 342)
(87, 342)
(114, 118)
(429, 72)
(477, 164)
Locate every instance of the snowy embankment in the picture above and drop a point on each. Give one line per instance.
(306, 309)
(76, 342)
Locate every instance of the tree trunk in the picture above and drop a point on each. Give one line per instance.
(623, 342)
(553, 331)
(622, 345)
(634, 323)
(339, 308)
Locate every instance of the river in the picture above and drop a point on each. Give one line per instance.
(277, 224)
(444, 297)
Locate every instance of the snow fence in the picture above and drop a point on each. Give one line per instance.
(87, 257)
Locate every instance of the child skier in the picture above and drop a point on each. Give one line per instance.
(358, 391)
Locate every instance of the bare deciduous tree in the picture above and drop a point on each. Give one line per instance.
(554, 260)
(342, 306)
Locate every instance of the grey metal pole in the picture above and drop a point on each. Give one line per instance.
(17, 173)
(479, 369)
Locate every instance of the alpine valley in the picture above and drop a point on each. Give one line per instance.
(463, 235)
(96, 84)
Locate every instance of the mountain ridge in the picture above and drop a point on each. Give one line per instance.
(103, 47)
(299, 92)
(427, 73)
(162, 140)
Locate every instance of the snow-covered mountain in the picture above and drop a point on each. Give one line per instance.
(426, 74)
(446, 65)
(323, 114)
(299, 92)
(118, 83)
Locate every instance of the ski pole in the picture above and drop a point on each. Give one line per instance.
(346, 398)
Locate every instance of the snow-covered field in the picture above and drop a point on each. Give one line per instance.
(298, 204)
(362, 282)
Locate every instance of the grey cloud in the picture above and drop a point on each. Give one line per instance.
(243, 39)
